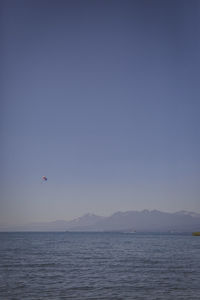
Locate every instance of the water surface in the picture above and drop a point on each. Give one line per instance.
(98, 266)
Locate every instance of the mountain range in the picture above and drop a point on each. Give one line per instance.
(129, 221)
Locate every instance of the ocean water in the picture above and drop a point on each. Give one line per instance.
(99, 266)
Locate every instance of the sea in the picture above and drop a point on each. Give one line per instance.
(99, 265)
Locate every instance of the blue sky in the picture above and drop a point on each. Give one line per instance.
(102, 97)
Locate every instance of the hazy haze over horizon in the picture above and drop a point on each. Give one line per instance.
(102, 97)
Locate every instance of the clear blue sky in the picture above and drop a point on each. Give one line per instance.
(102, 97)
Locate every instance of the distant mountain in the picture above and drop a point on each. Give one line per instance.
(59, 225)
(150, 221)
(140, 221)
(188, 213)
(85, 220)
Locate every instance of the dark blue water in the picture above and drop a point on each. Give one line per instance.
(99, 266)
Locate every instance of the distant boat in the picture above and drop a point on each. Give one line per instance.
(197, 233)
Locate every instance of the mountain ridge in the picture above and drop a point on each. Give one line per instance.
(145, 220)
